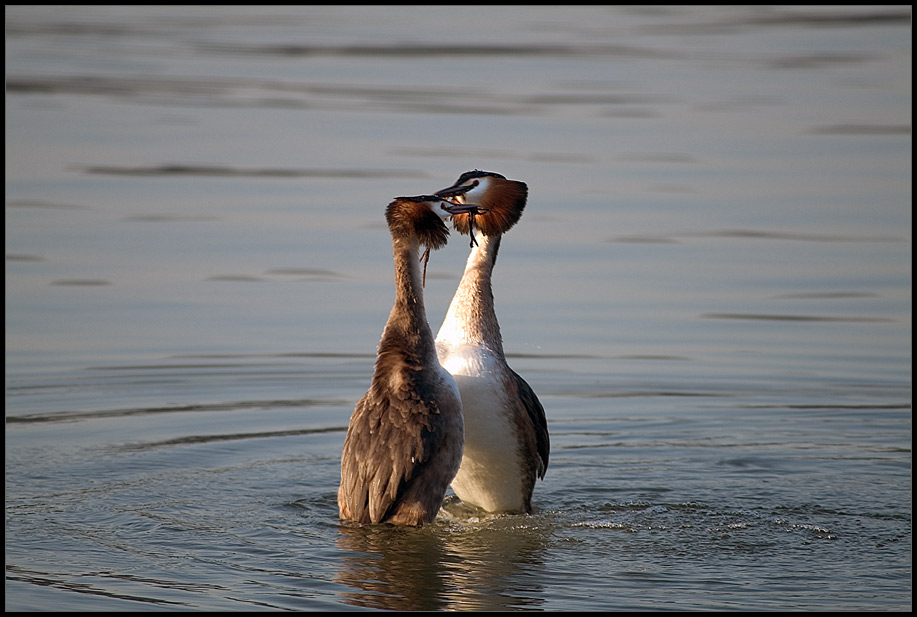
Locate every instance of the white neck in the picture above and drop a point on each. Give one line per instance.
(471, 319)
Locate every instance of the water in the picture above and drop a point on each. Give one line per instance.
(710, 291)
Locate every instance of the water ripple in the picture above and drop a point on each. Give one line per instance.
(218, 170)
(202, 439)
(426, 50)
(58, 581)
(70, 416)
(821, 318)
(753, 234)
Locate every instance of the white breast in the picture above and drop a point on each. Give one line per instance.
(490, 475)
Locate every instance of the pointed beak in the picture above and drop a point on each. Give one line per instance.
(455, 191)
(454, 209)
(455, 204)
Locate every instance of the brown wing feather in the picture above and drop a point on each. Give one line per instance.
(376, 461)
(396, 463)
(538, 423)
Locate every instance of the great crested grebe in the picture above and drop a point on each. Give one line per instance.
(404, 442)
(506, 433)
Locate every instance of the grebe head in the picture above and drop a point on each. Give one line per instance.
(421, 218)
(501, 202)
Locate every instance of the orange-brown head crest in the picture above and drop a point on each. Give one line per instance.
(416, 217)
(501, 200)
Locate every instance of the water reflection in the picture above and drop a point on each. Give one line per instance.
(393, 568)
(487, 564)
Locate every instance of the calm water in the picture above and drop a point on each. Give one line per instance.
(710, 291)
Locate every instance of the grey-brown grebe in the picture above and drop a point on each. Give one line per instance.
(404, 442)
(506, 434)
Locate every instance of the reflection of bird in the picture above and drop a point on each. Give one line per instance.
(506, 434)
(417, 571)
(394, 571)
(404, 442)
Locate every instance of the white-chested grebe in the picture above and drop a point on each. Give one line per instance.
(506, 434)
(404, 442)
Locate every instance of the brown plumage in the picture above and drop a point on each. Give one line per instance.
(404, 442)
(506, 435)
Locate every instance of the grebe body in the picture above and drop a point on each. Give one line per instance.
(404, 442)
(506, 437)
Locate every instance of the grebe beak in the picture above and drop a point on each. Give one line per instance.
(453, 208)
(455, 191)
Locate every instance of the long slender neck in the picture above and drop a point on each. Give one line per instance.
(407, 328)
(471, 319)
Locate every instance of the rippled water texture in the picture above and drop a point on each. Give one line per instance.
(710, 292)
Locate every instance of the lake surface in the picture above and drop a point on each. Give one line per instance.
(710, 291)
